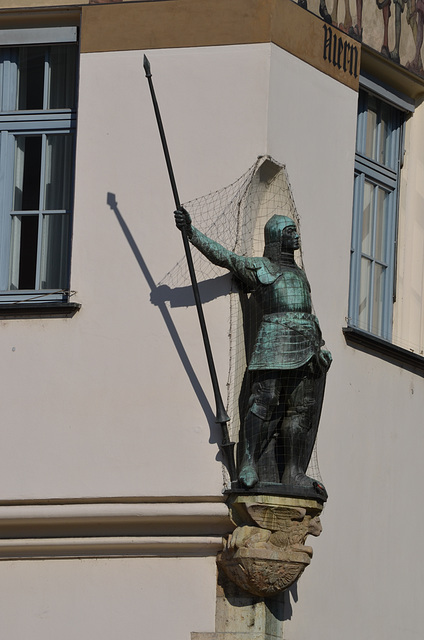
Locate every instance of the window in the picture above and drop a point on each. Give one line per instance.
(376, 186)
(37, 135)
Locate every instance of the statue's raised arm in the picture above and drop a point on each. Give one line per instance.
(243, 268)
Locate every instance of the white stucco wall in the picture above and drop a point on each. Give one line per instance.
(408, 330)
(108, 406)
(108, 599)
(110, 389)
(101, 405)
(364, 580)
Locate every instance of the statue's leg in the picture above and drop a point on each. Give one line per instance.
(255, 435)
(304, 397)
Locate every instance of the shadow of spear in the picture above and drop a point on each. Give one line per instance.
(221, 416)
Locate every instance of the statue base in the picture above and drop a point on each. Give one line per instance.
(262, 558)
(315, 492)
(266, 553)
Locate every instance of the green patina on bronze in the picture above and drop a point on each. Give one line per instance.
(288, 364)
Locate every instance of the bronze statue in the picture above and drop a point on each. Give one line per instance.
(288, 364)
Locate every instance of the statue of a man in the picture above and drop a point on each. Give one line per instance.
(288, 363)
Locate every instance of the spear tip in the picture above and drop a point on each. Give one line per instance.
(146, 65)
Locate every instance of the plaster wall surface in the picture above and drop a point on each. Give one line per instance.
(124, 384)
(370, 454)
(409, 321)
(109, 598)
(370, 442)
(116, 401)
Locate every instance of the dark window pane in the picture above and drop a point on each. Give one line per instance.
(371, 141)
(62, 77)
(24, 252)
(364, 294)
(31, 77)
(381, 224)
(54, 251)
(367, 218)
(58, 172)
(28, 257)
(27, 173)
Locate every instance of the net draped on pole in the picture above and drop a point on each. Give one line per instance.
(235, 217)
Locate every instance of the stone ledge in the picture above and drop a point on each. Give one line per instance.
(388, 351)
(114, 519)
(109, 547)
(234, 635)
(33, 310)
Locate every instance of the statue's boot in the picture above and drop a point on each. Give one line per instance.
(302, 481)
(297, 479)
(248, 475)
(298, 441)
(251, 443)
(299, 430)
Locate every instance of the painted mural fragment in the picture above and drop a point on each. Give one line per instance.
(394, 28)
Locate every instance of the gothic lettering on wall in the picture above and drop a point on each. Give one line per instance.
(394, 28)
(339, 52)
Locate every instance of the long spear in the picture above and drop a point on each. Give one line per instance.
(221, 415)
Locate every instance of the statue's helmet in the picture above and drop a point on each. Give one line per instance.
(273, 231)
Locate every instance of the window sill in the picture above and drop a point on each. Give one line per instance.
(382, 348)
(30, 310)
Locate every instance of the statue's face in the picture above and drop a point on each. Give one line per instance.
(290, 239)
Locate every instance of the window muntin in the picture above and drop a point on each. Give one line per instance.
(374, 224)
(37, 136)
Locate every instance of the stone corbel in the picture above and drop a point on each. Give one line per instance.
(266, 553)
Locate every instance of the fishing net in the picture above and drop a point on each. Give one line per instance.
(235, 217)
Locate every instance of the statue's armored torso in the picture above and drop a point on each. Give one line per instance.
(289, 292)
(289, 335)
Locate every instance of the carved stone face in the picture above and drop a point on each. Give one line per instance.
(290, 239)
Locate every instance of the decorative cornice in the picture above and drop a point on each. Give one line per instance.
(112, 529)
(190, 23)
(109, 547)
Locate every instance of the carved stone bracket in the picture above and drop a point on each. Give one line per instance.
(266, 553)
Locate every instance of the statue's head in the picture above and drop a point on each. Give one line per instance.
(280, 235)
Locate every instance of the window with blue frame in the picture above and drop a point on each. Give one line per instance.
(375, 205)
(38, 70)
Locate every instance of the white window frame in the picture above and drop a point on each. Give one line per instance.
(380, 178)
(40, 122)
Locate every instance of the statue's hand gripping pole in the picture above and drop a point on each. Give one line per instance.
(221, 416)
